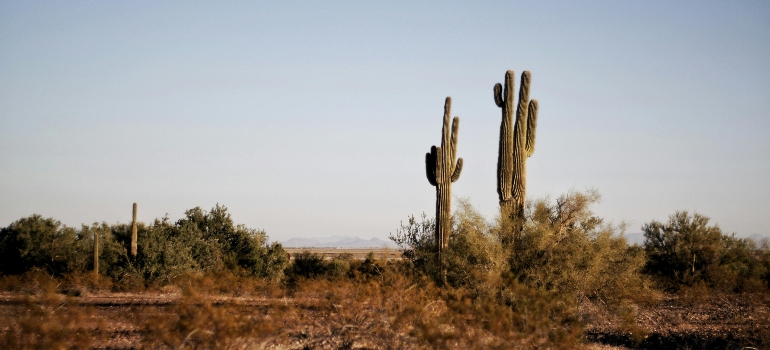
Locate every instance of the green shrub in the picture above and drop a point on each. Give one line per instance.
(564, 248)
(369, 267)
(417, 241)
(113, 256)
(307, 265)
(475, 257)
(559, 247)
(200, 242)
(339, 266)
(206, 241)
(165, 251)
(35, 242)
(687, 250)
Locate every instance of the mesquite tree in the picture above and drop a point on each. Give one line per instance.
(133, 234)
(517, 143)
(442, 170)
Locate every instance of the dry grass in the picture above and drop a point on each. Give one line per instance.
(386, 309)
(392, 309)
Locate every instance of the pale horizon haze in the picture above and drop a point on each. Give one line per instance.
(311, 119)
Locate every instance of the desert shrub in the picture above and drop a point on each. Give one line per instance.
(206, 241)
(200, 242)
(371, 267)
(36, 242)
(564, 248)
(566, 264)
(113, 255)
(235, 246)
(686, 250)
(559, 247)
(541, 317)
(475, 257)
(194, 323)
(307, 265)
(165, 252)
(417, 241)
(524, 278)
(743, 266)
(339, 266)
(402, 308)
(275, 261)
(763, 255)
(47, 322)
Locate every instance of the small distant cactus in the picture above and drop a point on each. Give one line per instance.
(517, 143)
(133, 234)
(442, 170)
(96, 252)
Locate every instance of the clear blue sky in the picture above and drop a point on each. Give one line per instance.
(313, 118)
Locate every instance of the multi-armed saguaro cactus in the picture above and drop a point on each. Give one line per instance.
(133, 234)
(442, 170)
(517, 143)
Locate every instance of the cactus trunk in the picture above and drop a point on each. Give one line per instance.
(133, 234)
(517, 143)
(96, 253)
(442, 171)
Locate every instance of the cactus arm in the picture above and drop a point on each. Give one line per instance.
(458, 169)
(439, 166)
(445, 130)
(430, 168)
(531, 127)
(521, 109)
(453, 140)
(510, 76)
(498, 92)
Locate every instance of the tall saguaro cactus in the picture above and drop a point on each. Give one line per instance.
(442, 170)
(133, 234)
(517, 143)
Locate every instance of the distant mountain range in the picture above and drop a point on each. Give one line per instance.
(337, 242)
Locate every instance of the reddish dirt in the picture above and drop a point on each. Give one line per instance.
(710, 321)
(706, 321)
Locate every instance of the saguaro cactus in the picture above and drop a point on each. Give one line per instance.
(96, 252)
(442, 170)
(517, 143)
(133, 234)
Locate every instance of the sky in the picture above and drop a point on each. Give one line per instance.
(311, 119)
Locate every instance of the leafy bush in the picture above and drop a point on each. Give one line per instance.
(540, 267)
(475, 257)
(417, 241)
(307, 265)
(687, 250)
(563, 248)
(43, 243)
(559, 247)
(206, 241)
(113, 255)
(200, 242)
